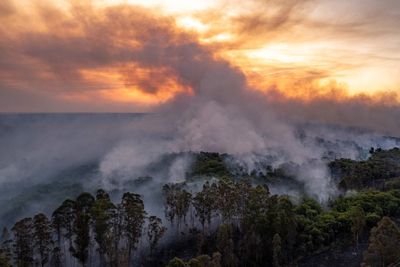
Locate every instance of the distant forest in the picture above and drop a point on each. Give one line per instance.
(231, 221)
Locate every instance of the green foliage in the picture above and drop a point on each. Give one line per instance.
(133, 220)
(155, 232)
(357, 216)
(6, 248)
(276, 250)
(176, 202)
(23, 250)
(42, 236)
(246, 226)
(225, 246)
(205, 203)
(383, 165)
(199, 261)
(384, 244)
(176, 262)
(381, 203)
(81, 227)
(102, 212)
(209, 164)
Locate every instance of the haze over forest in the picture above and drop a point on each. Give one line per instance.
(123, 123)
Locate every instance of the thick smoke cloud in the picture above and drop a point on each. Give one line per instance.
(213, 108)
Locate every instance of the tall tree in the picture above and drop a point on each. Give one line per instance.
(134, 216)
(116, 234)
(56, 257)
(63, 220)
(154, 232)
(384, 243)
(81, 227)
(357, 216)
(42, 233)
(205, 203)
(4, 260)
(276, 250)
(102, 212)
(23, 249)
(177, 202)
(6, 248)
(225, 246)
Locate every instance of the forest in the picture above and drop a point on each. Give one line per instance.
(231, 221)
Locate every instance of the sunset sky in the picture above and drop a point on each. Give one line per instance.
(121, 55)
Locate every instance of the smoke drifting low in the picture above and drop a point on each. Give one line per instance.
(211, 108)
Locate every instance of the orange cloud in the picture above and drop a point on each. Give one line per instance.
(127, 54)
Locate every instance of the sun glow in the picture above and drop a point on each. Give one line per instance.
(276, 46)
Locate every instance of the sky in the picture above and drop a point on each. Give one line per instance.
(130, 55)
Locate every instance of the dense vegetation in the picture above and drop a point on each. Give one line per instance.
(381, 170)
(228, 223)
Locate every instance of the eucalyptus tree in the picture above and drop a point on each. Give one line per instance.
(384, 243)
(225, 246)
(6, 247)
(205, 202)
(42, 237)
(102, 212)
(63, 220)
(358, 221)
(23, 249)
(276, 251)
(177, 203)
(133, 220)
(155, 232)
(81, 227)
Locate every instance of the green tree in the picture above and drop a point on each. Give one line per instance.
(215, 260)
(56, 257)
(177, 203)
(225, 246)
(154, 232)
(63, 220)
(134, 216)
(102, 212)
(357, 216)
(384, 243)
(81, 227)
(276, 251)
(42, 234)
(4, 260)
(6, 248)
(176, 262)
(205, 203)
(23, 249)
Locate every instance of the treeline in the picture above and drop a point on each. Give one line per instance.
(247, 226)
(381, 171)
(91, 231)
(231, 223)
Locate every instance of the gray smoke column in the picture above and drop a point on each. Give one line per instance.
(221, 114)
